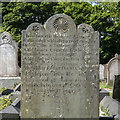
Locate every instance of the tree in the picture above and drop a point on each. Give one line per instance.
(103, 17)
(17, 17)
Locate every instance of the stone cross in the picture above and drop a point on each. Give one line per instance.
(60, 67)
(8, 56)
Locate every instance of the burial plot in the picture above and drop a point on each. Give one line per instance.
(60, 70)
(8, 56)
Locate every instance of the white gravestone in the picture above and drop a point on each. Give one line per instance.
(113, 69)
(8, 56)
(101, 72)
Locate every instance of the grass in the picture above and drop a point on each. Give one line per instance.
(103, 85)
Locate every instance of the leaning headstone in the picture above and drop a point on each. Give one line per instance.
(112, 105)
(116, 88)
(8, 56)
(60, 70)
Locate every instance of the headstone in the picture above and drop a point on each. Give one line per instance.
(60, 67)
(103, 93)
(111, 104)
(105, 72)
(101, 72)
(116, 88)
(113, 69)
(8, 55)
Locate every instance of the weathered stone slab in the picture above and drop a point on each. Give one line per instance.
(116, 88)
(8, 55)
(9, 82)
(60, 66)
(112, 105)
(9, 113)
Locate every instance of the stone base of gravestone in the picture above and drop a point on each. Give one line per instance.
(9, 113)
(9, 82)
(103, 93)
(111, 104)
(116, 89)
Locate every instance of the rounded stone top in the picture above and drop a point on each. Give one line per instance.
(60, 24)
(34, 27)
(5, 38)
(116, 57)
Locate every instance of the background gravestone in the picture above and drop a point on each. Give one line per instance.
(101, 72)
(8, 56)
(113, 69)
(116, 88)
(60, 70)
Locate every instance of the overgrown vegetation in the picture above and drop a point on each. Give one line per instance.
(4, 100)
(106, 111)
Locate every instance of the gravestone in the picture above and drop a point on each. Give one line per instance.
(60, 67)
(101, 72)
(116, 88)
(113, 69)
(8, 56)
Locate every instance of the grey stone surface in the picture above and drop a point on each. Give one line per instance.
(16, 103)
(8, 55)
(113, 69)
(112, 105)
(9, 112)
(103, 93)
(15, 95)
(101, 72)
(9, 82)
(60, 67)
(116, 88)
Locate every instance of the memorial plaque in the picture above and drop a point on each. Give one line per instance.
(60, 70)
(8, 55)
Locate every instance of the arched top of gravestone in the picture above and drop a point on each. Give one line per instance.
(60, 24)
(117, 57)
(85, 29)
(35, 27)
(6, 38)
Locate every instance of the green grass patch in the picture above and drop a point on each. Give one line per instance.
(104, 85)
